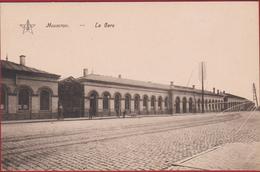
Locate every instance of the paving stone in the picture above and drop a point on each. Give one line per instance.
(122, 144)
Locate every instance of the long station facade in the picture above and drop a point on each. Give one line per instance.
(105, 95)
(29, 93)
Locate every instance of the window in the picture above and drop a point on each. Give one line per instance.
(206, 104)
(3, 99)
(137, 102)
(199, 104)
(106, 101)
(184, 105)
(45, 100)
(166, 102)
(153, 102)
(145, 102)
(117, 102)
(160, 103)
(190, 105)
(127, 102)
(23, 99)
(177, 104)
(93, 103)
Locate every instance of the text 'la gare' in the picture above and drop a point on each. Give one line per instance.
(104, 25)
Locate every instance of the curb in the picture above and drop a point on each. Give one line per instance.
(180, 163)
(197, 155)
(77, 119)
(94, 118)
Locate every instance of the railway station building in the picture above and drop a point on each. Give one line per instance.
(101, 95)
(26, 92)
(29, 93)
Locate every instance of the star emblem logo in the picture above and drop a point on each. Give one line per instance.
(27, 27)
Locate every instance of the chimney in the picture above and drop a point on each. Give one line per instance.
(22, 60)
(214, 90)
(85, 72)
(193, 86)
(224, 92)
(171, 83)
(119, 76)
(217, 91)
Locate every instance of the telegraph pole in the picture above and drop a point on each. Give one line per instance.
(255, 95)
(202, 85)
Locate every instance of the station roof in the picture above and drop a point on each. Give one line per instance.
(136, 83)
(11, 66)
(123, 81)
(234, 96)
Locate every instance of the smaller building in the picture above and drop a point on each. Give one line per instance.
(71, 96)
(26, 92)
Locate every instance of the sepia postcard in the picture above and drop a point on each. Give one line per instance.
(130, 86)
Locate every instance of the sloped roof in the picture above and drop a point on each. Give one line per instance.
(178, 87)
(123, 81)
(7, 65)
(234, 96)
(69, 79)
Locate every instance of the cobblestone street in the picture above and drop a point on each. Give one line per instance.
(147, 143)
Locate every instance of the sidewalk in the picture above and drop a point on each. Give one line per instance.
(81, 118)
(97, 118)
(232, 156)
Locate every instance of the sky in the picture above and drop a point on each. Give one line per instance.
(149, 41)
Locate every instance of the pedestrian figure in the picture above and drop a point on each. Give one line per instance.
(117, 112)
(92, 107)
(90, 113)
(134, 114)
(124, 113)
(60, 111)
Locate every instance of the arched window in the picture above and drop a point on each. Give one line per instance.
(127, 102)
(199, 104)
(184, 105)
(3, 105)
(153, 102)
(145, 102)
(219, 105)
(206, 105)
(93, 103)
(45, 100)
(177, 104)
(137, 102)
(166, 103)
(190, 105)
(160, 103)
(222, 105)
(210, 105)
(23, 99)
(106, 101)
(117, 103)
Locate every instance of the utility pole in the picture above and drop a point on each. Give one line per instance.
(202, 85)
(255, 95)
